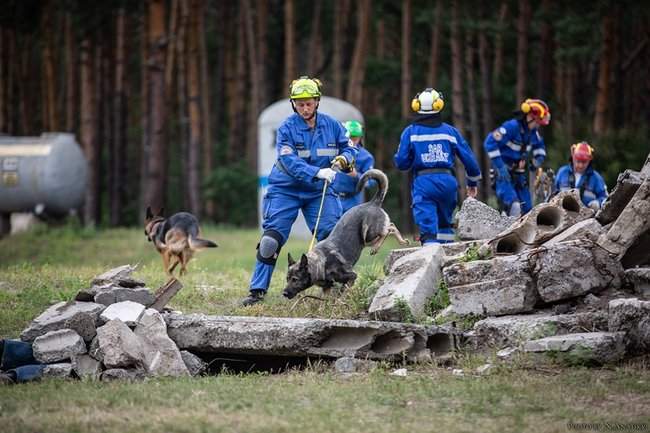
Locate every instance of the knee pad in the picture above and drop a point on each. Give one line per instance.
(269, 247)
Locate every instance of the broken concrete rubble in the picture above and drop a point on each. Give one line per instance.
(477, 220)
(131, 375)
(120, 276)
(514, 330)
(581, 348)
(494, 287)
(82, 317)
(61, 370)
(118, 346)
(348, 365)
(414, 278)
(271, 336)
(639, 279)
(162, 357)
(195, 365)
(627, 184)
(569, 269)
(627, 237)
(632, 317)
(86, 367)
(57, 346)
(127, 312)
(588, 229)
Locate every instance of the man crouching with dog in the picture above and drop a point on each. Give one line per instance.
(308, 144)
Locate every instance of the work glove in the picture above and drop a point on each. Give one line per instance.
(594, 205)
(341, 164)
(503, 173)
(326, 174)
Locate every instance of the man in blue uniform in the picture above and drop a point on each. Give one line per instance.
(347, 185)
(509, 147)
(581, 175)
(429, 147)
(308, 143)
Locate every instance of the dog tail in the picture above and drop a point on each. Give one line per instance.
(199, 244)
(382, 181)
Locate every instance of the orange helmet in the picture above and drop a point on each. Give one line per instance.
(582, 151)
(538, 109)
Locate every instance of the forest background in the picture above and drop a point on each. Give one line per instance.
(164, 95)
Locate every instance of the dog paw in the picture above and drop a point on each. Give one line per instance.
(373, 251)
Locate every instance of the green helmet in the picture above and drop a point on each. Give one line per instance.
(354, 127)
(305, 88)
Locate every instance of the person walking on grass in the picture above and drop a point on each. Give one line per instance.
(308, 145)
(429, 147)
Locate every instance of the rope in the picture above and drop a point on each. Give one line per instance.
(320, 210)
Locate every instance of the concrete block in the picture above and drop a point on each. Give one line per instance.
(119, 346)
(81, 317)
(127, 311)
(627, 184)
(581, 348)
(491, 287)
(120, 276)
(514, 330)
(477, 220)
(589, 229)
(61, 370)
(195, 365)
(413, 280)
(632, 317)
(86, 367)
(115, 294)
(354, 365)
(162, 357)
(639, 278)
(57, 346)
(123, 374)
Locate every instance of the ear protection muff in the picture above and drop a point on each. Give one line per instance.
(525, 107)
(528, 105)
(415, 103)
(436, 106)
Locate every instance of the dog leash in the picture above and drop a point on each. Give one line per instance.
(320, 209)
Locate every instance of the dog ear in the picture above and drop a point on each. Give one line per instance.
(290, 259)
(148, 215)
(303, 261)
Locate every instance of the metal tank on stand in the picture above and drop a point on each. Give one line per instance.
(45, 175)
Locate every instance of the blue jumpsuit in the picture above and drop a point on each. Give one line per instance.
(591, 184)
(293, 185)
(428, 147)
(346, 186)
(506, 146)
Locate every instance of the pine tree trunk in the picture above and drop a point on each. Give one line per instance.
(341, 8)
(457, 69)
(3, 81)
(182, 92)
(71, 82)
(545, 65)
(230, 78)
(434, 56)
(378, 96)
(358, 67)
(144, 110)
(569, 99)
(314, 46)
(174, 23)
(604, 73)
(154, 194)
(498, 42)
(50, 118)
(119, 173)
(206, 114)
(486, 108)
(253, 71)
(194, 109)
(405, 184)
(523, 24)
(88, 132)
(475, 136)
(289, 43)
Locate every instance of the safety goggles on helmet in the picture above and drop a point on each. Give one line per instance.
(539, 110)
(354, 128)
(582, 151)
(305, 88)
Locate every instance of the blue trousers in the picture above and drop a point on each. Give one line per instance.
(281, 208)
(434, 200)
(515, 190)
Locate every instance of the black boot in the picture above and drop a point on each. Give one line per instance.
(254, 297)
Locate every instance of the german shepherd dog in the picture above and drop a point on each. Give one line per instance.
(332, 259)
(176, 238)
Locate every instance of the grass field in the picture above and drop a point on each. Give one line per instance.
(49, 265)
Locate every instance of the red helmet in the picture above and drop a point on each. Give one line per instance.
(582, 151)
(538, 109)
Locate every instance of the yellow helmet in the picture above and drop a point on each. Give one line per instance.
(304, 88)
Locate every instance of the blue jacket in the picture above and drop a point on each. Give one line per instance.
(512, 142)
(591, 185)
(302, 152)
(426, 144)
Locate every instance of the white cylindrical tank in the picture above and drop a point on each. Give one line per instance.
(45, 174)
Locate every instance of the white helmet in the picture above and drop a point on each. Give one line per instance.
(427, 102)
